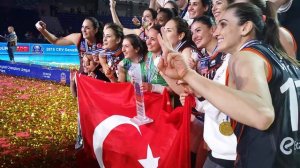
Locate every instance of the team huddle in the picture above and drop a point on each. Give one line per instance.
(230, 54)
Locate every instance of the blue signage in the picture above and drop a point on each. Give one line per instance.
(40, 49)
(35, 71)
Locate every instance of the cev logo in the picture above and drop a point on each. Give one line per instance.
(288, 144)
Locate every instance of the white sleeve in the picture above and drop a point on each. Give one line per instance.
(206, 107)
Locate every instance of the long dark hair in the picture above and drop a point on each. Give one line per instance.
(118, 30)
(157, 28)
(183, 27)
(153, 12)
(97, 25)
(208, 4)
(267, 31)
(207, 20)
(137, 44)
(175, 8)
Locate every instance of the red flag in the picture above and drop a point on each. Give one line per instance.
(110, 136)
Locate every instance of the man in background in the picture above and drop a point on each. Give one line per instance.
(11, 39)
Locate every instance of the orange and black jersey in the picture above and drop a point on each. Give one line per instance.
(279, 146)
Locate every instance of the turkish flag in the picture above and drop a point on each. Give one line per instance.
(115, 141)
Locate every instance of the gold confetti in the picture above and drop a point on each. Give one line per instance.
(38, 122)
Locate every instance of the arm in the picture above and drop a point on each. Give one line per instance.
(122, 72)
(73, 83)
(172, 83)
(103, 63)
(250, 93)
(112, 4)
(117, 21)
(154, 4)
(68, 40)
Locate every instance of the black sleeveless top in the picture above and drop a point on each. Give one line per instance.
(278, 146)
(208, 65)
(83, 48)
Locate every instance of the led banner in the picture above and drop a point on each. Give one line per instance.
(40, 49)
(35, 71)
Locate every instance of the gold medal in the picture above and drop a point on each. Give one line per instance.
(225, 128)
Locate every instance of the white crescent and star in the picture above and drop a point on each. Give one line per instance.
(150, 161)
(102, 131)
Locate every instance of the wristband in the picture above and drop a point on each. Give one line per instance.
(157, 88)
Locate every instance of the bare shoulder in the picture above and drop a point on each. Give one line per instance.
(247, 62)
(248, 69)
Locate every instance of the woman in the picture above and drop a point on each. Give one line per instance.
(198, 8)
(179, 36)
(134, 50)
(112, 43)
(163, 16)
(258, 71)
(154, 4)
(148, 19)
(88, 42)
(286, 38)
(209, 59)
(222, 147)
(173, 6)
(154, 81)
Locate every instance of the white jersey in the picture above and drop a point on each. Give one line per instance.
(222, 147)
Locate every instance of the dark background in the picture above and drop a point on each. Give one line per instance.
(69, 14)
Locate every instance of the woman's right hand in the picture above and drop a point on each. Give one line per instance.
(40, 25)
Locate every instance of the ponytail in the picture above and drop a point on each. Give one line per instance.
(271, 32)
(266, 30)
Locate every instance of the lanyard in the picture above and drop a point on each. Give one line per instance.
(179, 45)
(93, 50)
(185, 10)
(249, 43)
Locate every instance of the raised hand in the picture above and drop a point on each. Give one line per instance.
(136, 21)
(40, 25)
